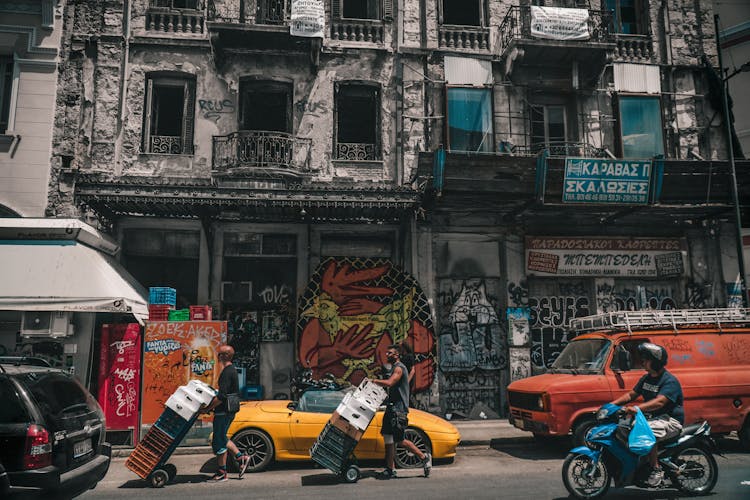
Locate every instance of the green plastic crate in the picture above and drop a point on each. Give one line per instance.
(179, 315)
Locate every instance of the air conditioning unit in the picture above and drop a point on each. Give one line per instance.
(237, 292)
(46, 324)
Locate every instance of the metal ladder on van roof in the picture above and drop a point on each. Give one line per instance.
(628, 320)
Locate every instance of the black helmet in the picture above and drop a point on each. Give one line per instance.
(656, 353)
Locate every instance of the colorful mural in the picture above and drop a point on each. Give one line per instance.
(352, 310)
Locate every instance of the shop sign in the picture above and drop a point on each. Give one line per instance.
(611, 257)
(175, 352)
(589, 180)
(556, 23)
(307, 18)
(119, 375)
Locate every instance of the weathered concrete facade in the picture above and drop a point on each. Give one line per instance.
(332, 151)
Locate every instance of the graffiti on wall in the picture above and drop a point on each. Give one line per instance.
(466, 390)
(520, 363)
(472, 338)
(611, 298)
(549, 318)
(212, 109)
(519, 332)
(244, 335)
(352, 310)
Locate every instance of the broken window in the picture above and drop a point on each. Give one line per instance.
(641, 130)
(629, 16)
(357, 122)
(470, 119)
(6, 89)
(265, 106)
(169, 115)
(547, 126)
(464, 12)
(176, 4)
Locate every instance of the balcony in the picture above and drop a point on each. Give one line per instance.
(258, 151)
(580, 149)
(351, 151)
(358, 30)
(472, 38)
(568, 47)
(255, 25)
(633, 48)
(176, 21)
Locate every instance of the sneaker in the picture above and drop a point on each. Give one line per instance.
(427, 464)
(656, 477)
(243, 462)
(219, 477)
(387, 474)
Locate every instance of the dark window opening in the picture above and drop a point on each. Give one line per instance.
(361, 9)
(547, 125)
(463, 12)
(175, 4)
(266, 106)
(6, 86)
(628, 16)
(357, 122)
(169, 116)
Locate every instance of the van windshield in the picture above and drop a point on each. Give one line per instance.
(582, 356)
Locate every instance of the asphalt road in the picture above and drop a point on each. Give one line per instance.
(502, 471)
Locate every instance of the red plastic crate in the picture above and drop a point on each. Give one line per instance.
(159, 312)
(200, 313)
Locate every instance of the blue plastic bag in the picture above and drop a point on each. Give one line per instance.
(641, 438)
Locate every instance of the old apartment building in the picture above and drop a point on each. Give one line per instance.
(461, 175)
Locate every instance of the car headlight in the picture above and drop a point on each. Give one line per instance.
(543, 402)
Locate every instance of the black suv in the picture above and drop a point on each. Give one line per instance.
(51, 432)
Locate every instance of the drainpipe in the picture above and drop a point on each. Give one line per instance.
(124, 78)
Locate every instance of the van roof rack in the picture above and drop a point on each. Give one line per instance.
(649, 319)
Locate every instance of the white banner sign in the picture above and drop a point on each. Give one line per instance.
(622, 257)
(307, 18)
(556, 23)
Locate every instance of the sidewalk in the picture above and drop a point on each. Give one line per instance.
(473, 433)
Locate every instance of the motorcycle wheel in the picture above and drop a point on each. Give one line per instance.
(583, 478)
(699, 472)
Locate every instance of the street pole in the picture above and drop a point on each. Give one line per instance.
(735, 195)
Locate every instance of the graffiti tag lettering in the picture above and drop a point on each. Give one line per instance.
(213, 109)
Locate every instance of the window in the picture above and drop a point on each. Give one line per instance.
(6, 90)
(641, 130)
(547, 126)
(362, 9)
(265, 106)
(628, 16)
(464, 12)
(176, 4)
(357, 122)
(170, 115)
(470, 119)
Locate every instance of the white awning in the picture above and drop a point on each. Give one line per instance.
(65, 275)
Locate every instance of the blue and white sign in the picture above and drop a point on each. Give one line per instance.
(597, 180)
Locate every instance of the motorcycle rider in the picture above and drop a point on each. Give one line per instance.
(663, 402)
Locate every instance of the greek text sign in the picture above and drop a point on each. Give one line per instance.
(307, 18)
(626, 257)
(555, 23)
(606, 181)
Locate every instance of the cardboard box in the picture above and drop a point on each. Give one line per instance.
(343, 425)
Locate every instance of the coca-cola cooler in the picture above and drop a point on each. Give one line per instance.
(119, 378)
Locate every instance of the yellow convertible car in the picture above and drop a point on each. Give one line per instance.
(286, 430)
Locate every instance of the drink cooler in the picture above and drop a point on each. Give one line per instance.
(149, 459)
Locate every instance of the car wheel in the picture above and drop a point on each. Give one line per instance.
(405, 459)
(581, 428)
(258, 446)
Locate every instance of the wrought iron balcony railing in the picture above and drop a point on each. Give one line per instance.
(167, 20)
(165, 144)
(517, 26)
(260, 149)
(266, 12)
(357, 30)
(453, 36)
(356, 151)
(581, 149)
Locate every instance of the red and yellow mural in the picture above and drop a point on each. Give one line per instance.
(352, 310)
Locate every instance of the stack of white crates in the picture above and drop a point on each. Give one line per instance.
(188, 399)
(359, 407)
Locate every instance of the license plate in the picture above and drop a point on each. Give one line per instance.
(82, 448)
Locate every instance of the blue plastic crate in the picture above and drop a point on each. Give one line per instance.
(171, 423)
(162, 295)
(252, 392)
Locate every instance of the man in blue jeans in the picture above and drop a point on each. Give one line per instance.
(228, 384)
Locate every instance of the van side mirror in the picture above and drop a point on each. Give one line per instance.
(622, 359)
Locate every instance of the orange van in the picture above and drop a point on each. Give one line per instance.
(709, 353)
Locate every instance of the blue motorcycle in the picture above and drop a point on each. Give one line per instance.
(687, 460)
